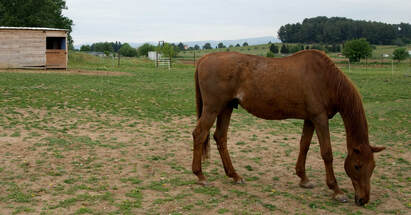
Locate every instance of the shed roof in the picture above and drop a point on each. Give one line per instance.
(31, 28)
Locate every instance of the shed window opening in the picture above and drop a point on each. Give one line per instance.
(56, 43)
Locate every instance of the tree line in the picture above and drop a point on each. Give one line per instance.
(339, 29)
(38, 13)
(111, 47)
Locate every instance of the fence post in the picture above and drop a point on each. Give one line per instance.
(392, 67)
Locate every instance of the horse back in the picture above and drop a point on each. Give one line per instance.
(279, 88)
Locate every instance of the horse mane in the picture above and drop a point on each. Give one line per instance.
(348, 99)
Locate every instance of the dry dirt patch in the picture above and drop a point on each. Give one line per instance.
(68, 72)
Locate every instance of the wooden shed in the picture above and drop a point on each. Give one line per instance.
(22, 47)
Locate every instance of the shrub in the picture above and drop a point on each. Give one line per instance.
(270, 54)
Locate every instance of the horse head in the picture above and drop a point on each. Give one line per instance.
(359, 166)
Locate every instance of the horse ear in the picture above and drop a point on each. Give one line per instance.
(377, 149)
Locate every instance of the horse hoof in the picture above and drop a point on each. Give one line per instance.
(204, 183)
(307, 185)
(239, 181)
(341, 197)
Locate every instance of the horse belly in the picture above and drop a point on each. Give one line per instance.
(274, 108)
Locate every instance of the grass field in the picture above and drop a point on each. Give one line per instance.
(99, 139)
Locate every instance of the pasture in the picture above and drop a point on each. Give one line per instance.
(108, 140)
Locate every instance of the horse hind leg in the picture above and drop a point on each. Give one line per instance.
(220, 136)
(200, 135)
(305, 142)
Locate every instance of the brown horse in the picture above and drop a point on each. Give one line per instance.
(306, 85)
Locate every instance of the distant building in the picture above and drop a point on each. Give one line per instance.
(24, 47)
(98, 54)
(152, 55)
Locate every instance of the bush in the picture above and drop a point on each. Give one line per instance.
(273, 48)
(356, 50)
(270, 54)
(318, 47)
(127, 50)
(284, 49)
(296, 48)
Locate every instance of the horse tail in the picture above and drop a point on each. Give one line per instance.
(199, 108)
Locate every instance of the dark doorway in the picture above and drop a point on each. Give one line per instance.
(56, 43)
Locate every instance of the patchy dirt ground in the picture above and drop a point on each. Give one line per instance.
(68, 72)
(78, 162)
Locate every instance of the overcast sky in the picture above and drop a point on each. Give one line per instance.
(194, 20)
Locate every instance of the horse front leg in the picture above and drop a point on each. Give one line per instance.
(323, 133)
(220, 136)
(305, 142)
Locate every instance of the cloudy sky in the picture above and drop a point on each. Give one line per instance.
(194, 20)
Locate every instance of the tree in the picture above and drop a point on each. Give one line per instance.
(273, 48)
(102, 47)
(333, 30)
(181, 46)
(207, 46)
(196, 47)
(35, 13)
(245, 44)
(356, 50)
(116, 46)
(237, 45)
(400, 54)
(144, 49)
(85, 48)
(127, 50)
(220, 45)
(169, 50)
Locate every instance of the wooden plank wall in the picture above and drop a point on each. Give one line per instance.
(57, 59)
(22, 48)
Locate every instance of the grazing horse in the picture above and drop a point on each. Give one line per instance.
(306, 85)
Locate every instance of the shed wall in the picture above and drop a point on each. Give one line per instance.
(22, 48)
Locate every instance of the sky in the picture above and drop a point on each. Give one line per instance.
(196, 20)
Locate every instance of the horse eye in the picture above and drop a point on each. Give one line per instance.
(357, 167)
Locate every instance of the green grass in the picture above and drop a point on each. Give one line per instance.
(73, 144)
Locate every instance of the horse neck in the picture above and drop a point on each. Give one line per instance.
(353, 115)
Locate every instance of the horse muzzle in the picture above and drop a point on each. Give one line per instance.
(361, 201)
